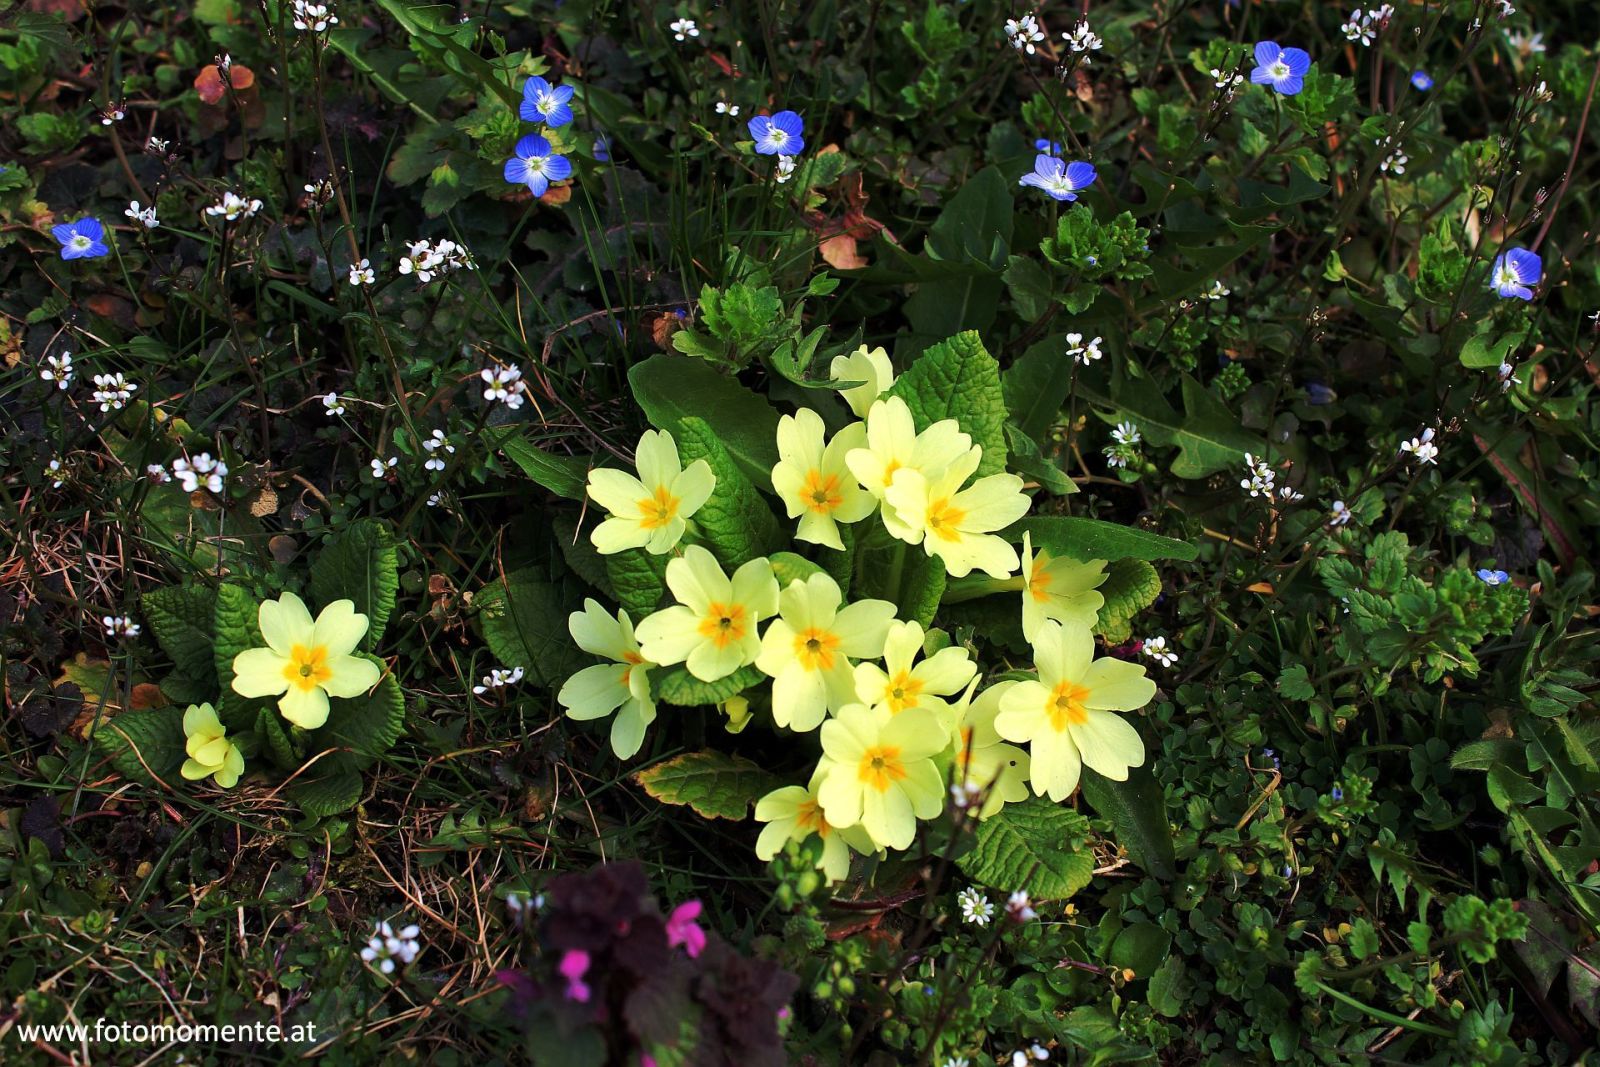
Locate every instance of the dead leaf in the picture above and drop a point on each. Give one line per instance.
(556, 195)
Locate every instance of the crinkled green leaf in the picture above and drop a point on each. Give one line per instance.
(958, 379)
(1131, 585)
(788, 567)
(1138, 814)
(524, 622)
(143, 743)
(735, 522)
(675, 685)
(234, 627)
(715, 784)
(181, 617)
(363, 565)
(1035, 845)
(326, 794)
(366, 726)
(1086, 539)
(638, 580)
(672, 388)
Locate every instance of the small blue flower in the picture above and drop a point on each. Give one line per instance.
(84, 239)
(546, 103)
(1060, 179)
(1319, 394)
(536, 165)
(1489, 577)
(1515, 273)
(1282, 68)
(1288, 871)
(1337, 794)
(1421, 81)
(1047, 146)
(602, 148)
(778, 135)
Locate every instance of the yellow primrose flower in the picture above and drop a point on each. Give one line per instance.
(807, 650)
(813, 481)
(902, 684)
(624, 683)
(871, 368)
(1058, 588)
(210, 751)
(879, 771)
(893, 444)
(794, 813)
(954, 523)
(983, 760)
(713, 628)
(1066, 715)
(649, 511)
(305, 662)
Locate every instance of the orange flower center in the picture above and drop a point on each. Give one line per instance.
(944, 520)
(821, 493)
(880, 767)
(307, 668)
(815, 648)
(658, 509)
(723, 624)
(808, 816)
(1038, 579)
(1068, 706)
(888, 472)
(905, 691)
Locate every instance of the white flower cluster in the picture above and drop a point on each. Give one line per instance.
(1125, 446)
(112, 391)
(428, 260)
(504, 384)
(1507, 376)
(1396, 159)
(1422, 448)
(386, 946)
(1156, 648)
(1226, 80)
(362, 273)
(785, 169)
(57, 369)
(1024, 34)
(1032, 1054)
(333, 405)
(683, 29)
(381, 467)
(144, 216)
(1082, 352)
(1019, 908)
(1363, 26)
(233, 207)
(1081, 39)
(433, 445)
(499, 678)
(312, 17)
(119, 626)
(1339, 514)
(976, 908)
(1262, 480)
(199, 470)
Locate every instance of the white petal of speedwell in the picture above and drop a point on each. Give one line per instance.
(339, 628)
(284, 623)
(1109, 744)
(596, 631)
(617, 491)
(259, 672)
(1117, 685)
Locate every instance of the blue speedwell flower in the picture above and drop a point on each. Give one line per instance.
(778, 135)
(1420, 81)
(1047, 146)
(536, 165)
(1515, 272)
(1282, 68)
(1060, 179)
(546, 103)
(602, 148)
(84, 239)
(1489, 577)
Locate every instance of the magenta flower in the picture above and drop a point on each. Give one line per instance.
(683, 930)
(574, 965)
